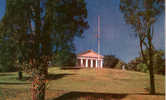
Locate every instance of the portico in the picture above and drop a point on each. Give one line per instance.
(90, 59)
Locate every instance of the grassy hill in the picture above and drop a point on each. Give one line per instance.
(86, 84)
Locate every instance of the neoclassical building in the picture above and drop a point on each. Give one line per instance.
(89, 59)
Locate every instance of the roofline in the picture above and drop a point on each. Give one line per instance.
(88, 51)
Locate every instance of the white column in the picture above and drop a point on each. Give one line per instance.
(86, 63)
(91, 63)
(81, 62)
(96, 63)
(101, 63)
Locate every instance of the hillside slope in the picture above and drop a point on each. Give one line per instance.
(95, 84)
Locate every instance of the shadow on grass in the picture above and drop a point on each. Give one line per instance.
(90, 96)
(57, 76)
(161, 94)
(71, 68)
(25, 78)
(96, 96)
(5, 74)
(14, 83)
(29, 79)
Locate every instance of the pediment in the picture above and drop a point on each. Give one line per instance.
(90, 53)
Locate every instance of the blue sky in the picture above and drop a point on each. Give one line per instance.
(117, 38)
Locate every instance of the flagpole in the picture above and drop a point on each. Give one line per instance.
(98, 42)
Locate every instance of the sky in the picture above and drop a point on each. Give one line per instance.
(117, 37)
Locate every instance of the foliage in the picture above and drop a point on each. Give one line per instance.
(137, 64)
(141, 15)
(159, 62)
(120, 64)
(39, 28)
(10, 59)
(142, 67)
(132, 65)
(64, 58)
(110, 61)
(7, 58)
(158, 59)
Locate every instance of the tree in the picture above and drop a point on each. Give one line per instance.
(7, 59)
(137, 64)
(10, 57)
(142, 67)
(39, 28)
(159, 62)
(64, 58)
(110, 61)
(158, 59)
(141, 15)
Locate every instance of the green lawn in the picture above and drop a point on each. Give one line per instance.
(86, 84)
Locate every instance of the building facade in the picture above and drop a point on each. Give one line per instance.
(89, 59)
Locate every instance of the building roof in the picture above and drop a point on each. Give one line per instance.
(89, 53)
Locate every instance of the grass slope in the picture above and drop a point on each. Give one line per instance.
(86, 84)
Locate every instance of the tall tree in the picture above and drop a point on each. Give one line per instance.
(141, 15)
(39, 28)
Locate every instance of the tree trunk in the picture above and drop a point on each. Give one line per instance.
(38, 89)
(39, 82)
(150, 59)
(41, 91)
(142, 53)
(151, 73)
(151, 65)
(152, 82)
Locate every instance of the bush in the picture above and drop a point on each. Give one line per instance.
(142, 68)
(7, 68)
